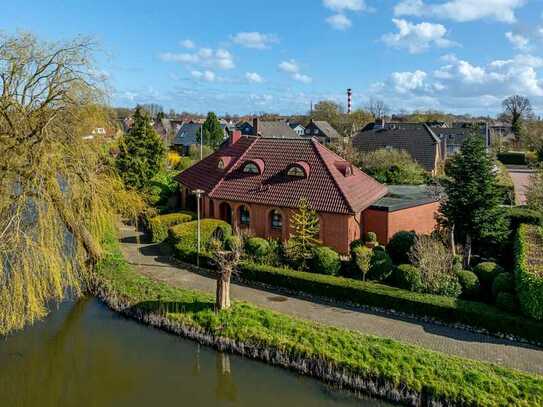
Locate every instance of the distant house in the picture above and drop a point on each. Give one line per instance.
(323, 131)
(187, 135)
(298, 128)
(164, 129)
(272, 129)
(245, 128)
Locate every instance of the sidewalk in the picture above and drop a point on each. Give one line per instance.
(147, 260)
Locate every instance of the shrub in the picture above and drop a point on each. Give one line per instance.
(257, 248)
(512, 158)
(362, 259)
(507, 302)
(161, 188)
(471, 287)
(487, 271)
(529, 270)
(520, 215)
(380, 266)
(158, 225)
(378, 295)
(400, 245)
(408, 277)
(504, 282)
(457, 263)
(392, 167)
(183, 237)
(370, 237)
(325, 261)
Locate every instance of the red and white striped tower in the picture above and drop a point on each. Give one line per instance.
(349, 100)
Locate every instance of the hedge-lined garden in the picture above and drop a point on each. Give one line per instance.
(158, 225)
(529, 270)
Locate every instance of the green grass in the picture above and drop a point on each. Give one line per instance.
(456, 380)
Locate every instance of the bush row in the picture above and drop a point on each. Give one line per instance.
(529, 270)
(159, 225)
(512, 158)
(520, 215)
(378, 295)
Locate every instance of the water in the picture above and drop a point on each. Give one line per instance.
(85, 355)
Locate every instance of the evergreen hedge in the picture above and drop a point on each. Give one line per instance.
(529, 270)
(373, 294)
(159, 225)
(512, 158)
(519, 215)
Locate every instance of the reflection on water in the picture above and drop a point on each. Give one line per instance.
(85, 355)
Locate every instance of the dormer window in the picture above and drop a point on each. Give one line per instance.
(251, 168)
(296, 172)
(220, 165)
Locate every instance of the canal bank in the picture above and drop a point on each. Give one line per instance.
(376, 366)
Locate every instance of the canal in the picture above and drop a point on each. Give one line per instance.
(85, 355)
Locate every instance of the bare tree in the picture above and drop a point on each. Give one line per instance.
(227, 261)
(517, 108)
(377, 108)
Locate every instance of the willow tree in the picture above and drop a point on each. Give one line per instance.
(58, 194)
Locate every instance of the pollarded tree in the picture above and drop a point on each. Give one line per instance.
(141, 154)
(304, 224)
(227, 261)
(472, 204)
(212, 130)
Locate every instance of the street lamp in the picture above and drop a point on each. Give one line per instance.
(198, 193)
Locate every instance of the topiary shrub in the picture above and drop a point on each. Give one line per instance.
(457, 265)
(184, 238)
(362, 259)
(504, 282)
(506, 302)
(325, 261)
(408, 277)
(158, 225)
(370, 237)
(354, 244)
(471, 287)
(380, 266)
(257, 248)
(487, 271)
(400, 245)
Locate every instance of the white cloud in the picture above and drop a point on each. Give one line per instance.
(341, 5)
(208, 76)
(291, 67)
(408, 81)
(518, 41)
(462, 10)
(339, 22)
(187, 44)
(204, 57)
(417, 37)
(255, 39)
(254, 77)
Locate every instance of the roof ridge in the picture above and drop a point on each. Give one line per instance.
(432, 134)
(233, 165)
(315, 143)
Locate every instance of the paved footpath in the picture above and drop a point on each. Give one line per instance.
(521, 179)
(148, 261)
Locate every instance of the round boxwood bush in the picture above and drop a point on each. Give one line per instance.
(257, 248)
(487, 271)
(506, 301)
(380, 266)
(408, 277)
(370, 237)
(471, 287)
(325, 261)
(400, 245)
(379, 249)
(504, 282)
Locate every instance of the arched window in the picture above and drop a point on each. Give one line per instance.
(220, 165)
(276, 219)
(244, 216)
(251, 168)
(296, 171)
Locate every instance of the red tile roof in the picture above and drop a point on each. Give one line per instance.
(329, 187)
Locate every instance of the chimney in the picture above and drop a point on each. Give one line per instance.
(235, 136)
(255, 126)
(349, 101)
(380, 122)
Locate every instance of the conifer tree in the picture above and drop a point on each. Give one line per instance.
(141, 153)
(212, 131)
(305, 231)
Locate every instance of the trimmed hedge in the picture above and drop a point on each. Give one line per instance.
(487, 271)
(325, 261)
(159, 225)
(471, 287)
(408, 277)
(520, 215)
(400, 245)
(529, 270)
(503, 283)
(372, 294)
(512, 158)
(257, 248)
(184, 238)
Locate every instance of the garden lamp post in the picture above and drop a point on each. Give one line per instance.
(198, 193)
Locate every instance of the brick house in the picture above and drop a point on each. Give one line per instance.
(256, 183)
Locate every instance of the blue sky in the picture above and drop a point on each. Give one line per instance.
(241, 56)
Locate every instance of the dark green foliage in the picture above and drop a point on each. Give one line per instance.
(141, 153)
(512, 158)
(162, 189)
(507, 302)
(529, 270)
(355, 243)
(473, 201)
(370, 237)
(408, 277)
(380, 266)
(378, 295)
(471, 287)
(184, 238)
(213, 132)
(487, 271)
(504, 282)
(325, 261)
(392, 167)
(400, 245)
(520, 215)
(159, 225)
(257, 248)
(457, 264)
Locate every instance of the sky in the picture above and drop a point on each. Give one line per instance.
(245, 57)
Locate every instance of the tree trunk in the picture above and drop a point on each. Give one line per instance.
(453, 243)
(222, 300)
(467, 255)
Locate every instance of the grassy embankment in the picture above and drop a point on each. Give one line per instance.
(378, 366)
